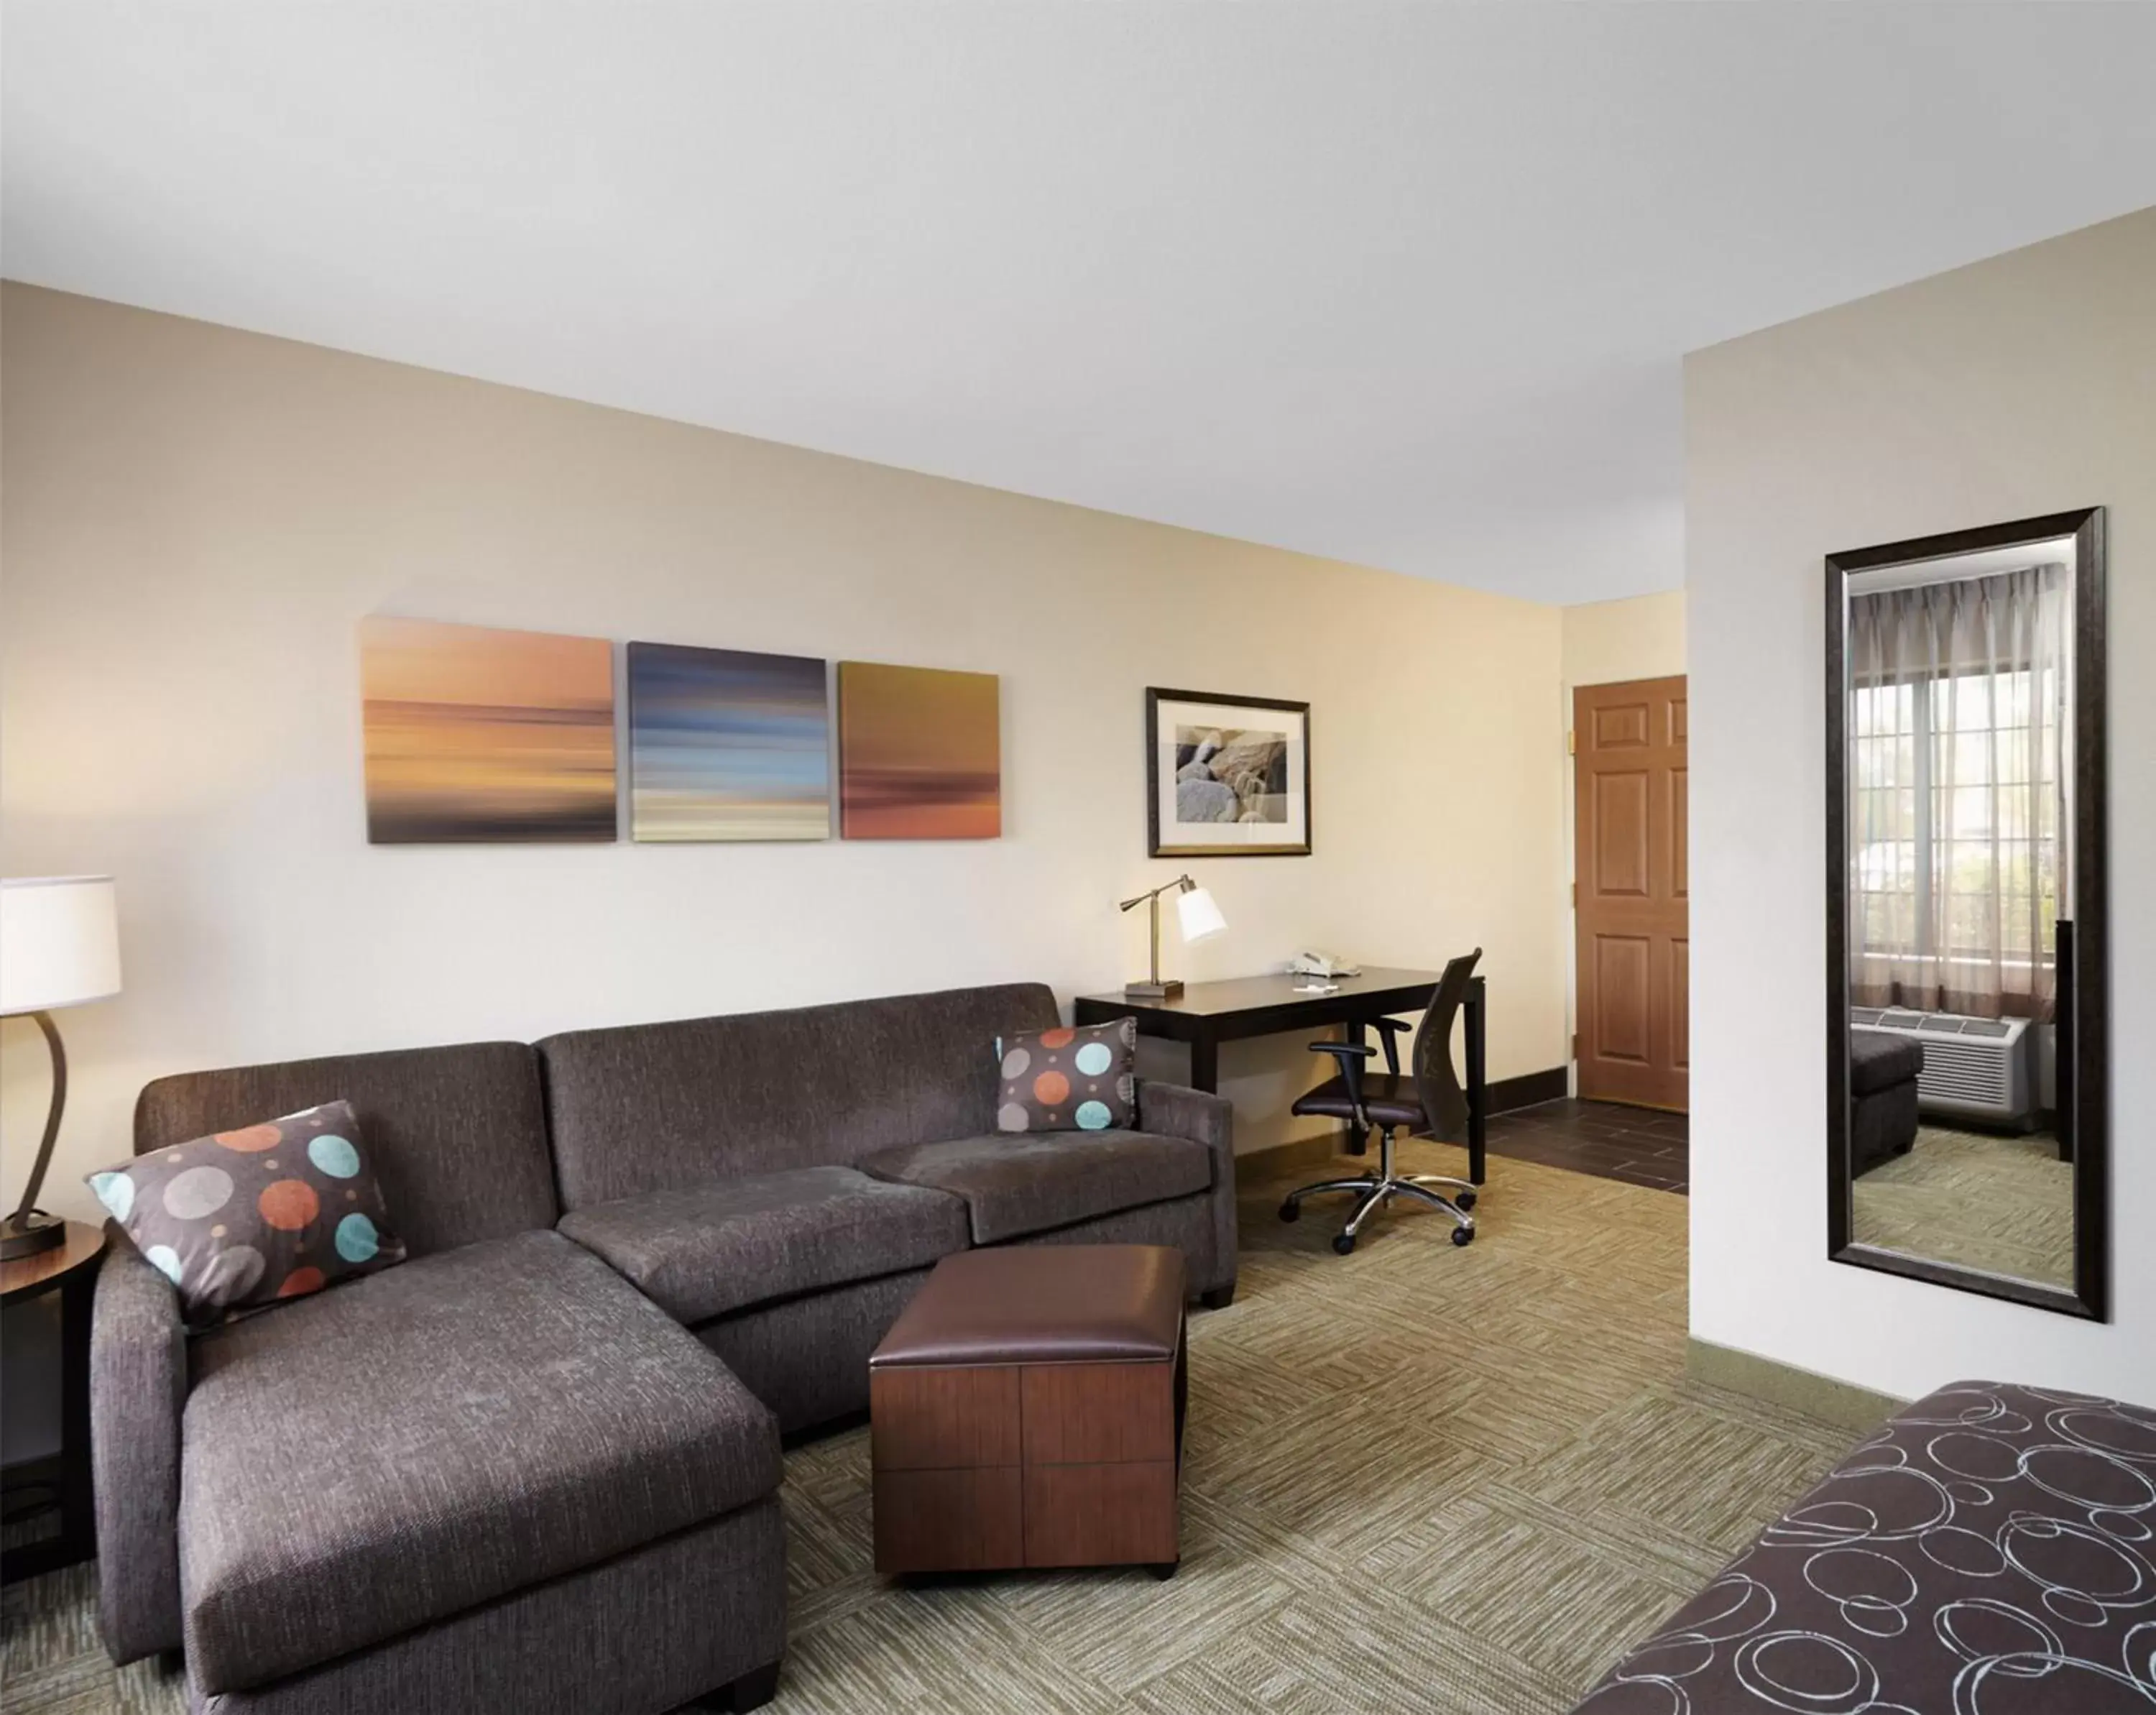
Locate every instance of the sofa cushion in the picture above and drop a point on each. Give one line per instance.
(1069, 1079)
(701, 1253)
(1027, 1183)
(1878, 1061)
(246, 1219)
(413, 1444)
(661, 1107)
(457, 1136)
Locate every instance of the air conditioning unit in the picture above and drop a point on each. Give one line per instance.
(1974, 1068)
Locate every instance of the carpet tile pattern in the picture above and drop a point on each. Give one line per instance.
(1419, 1477)
(2001, 1204)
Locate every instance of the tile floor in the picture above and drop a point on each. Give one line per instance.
(1642, 1146)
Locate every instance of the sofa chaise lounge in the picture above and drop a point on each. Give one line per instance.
(536, 1465)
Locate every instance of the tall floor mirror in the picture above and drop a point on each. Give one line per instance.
(1966, 1057)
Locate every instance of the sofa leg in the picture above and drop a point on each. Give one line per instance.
(1219, 1298)
(751, 1691)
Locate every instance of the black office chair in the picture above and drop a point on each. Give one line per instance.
(1430, 1104)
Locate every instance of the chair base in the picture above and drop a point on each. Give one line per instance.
(1374, 1189)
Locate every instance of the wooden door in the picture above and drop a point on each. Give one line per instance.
(1632, 915)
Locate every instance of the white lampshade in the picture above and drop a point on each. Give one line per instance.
(1199, 915)
(59, 943)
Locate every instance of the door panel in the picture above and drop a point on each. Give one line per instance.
(1630, 856)
(1623, 964)
(1620, 726)
(1680, 1002)
(1620, 870)
(1680, 826)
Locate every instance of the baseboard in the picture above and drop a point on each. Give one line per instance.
(1278, 1158)
(1784, 1384)
(1529, 1090)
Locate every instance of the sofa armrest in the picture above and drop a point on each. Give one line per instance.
(138, 1384)
(1176, 1111)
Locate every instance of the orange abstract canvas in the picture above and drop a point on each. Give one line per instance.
(475, 734)
(920, 753)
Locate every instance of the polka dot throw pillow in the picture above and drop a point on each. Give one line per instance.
(240, 1219)
(1067, 1080)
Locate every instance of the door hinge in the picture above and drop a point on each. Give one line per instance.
(1568, 737)
(1575, 1044)
(1575, 895)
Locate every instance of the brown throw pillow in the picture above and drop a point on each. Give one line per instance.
(1068, 1080)
(242, 1219)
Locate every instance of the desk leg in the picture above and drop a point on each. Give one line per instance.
(1205, 1065)
(1478, 1088)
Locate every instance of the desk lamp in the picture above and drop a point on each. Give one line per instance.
(1199, 918)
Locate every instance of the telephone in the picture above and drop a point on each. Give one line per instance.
(1326, 965)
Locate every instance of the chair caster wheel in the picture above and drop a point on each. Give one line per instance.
(1290, 1210)
(1463, 1236)
(1344, 1244)
(1465, 1199)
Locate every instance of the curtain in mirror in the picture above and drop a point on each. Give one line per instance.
(1960, 761)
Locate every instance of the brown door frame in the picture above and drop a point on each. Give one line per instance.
(1631, 930)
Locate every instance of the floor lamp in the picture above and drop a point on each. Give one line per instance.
(59, 946)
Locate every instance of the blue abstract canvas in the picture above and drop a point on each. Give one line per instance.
(725, 744)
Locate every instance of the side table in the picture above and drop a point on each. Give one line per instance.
(60, 1480)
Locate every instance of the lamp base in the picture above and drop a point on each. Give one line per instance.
(1166, 990)
(27, 1234)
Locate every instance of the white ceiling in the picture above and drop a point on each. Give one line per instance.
(1400, 284)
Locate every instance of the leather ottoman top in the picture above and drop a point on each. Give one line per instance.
(1043, 1304)
(1879, 1061)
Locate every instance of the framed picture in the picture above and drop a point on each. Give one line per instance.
(1226, 776)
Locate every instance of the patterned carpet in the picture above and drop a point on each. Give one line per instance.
(1417, 1478)
(2005, 1204)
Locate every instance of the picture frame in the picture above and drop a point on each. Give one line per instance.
(1226, 776)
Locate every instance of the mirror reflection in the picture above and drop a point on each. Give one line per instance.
(1960, 775)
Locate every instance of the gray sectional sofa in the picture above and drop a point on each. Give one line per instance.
(780, 1182)
(535, 1466)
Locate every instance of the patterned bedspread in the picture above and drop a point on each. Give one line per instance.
(1991, 1550)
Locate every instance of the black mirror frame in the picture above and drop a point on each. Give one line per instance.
(2084, 1034)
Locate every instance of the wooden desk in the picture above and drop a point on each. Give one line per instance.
(1206, 1014)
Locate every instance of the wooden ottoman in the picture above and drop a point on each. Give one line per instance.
(1027, 1411)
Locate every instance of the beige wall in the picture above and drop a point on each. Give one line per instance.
(2020, 386)
(1642, 637)
(196, 519)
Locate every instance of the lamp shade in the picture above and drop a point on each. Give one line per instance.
(59, 943)
(1199, 915)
